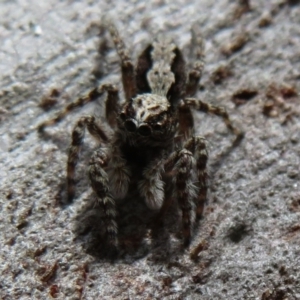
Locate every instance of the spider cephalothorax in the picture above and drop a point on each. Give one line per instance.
(152, 134)
(148, 119)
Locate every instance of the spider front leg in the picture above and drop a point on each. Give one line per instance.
(197, 145)
(74, 150)
(215, 110)
(100, 184)
(182, 164)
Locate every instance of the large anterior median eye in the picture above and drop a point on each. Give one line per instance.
(130, 125)
(144, 130)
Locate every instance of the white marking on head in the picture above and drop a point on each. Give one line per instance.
(148, 105)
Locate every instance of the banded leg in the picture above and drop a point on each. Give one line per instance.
(93, 95)
(182, 163)
(186, 123)
(100, 184)
(186, 120)
(215, 110)
(197, 146)
(127, 67)
(77, 140)
(112, 105)
(196, 73)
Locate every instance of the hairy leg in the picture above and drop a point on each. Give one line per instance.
(186, 123)
(93, 95)
(215, 110)
(112, 106)
(77, 140)
(197, 145)
(198, 65)
(182, 164)
(186, 120)
(100, 184)
(127, 67)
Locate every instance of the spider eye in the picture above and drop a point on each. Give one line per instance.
(130, 125)
(157, 127)
(122, 116)
(144, 130)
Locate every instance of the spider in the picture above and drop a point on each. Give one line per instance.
(152, 143)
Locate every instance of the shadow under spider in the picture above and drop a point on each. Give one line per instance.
(141, 231)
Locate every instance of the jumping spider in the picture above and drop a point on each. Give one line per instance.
(153, 134)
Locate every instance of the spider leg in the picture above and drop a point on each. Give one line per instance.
(215, 110)
(112, 106)
(186, 123)
(94, 94)
(77, 140)
(182, 164)
(100, 184)
(197, 145)
(127, 67)
(196, 73)
(186, 120)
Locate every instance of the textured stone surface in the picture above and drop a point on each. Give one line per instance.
(251, 225)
